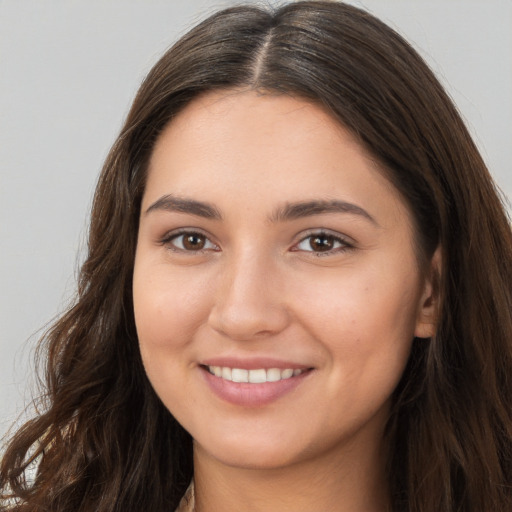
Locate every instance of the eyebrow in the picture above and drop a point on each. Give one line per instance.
(290, 211)
(172, 203)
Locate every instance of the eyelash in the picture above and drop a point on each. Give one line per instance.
(343, 244)
(340, 243)
(169, 239)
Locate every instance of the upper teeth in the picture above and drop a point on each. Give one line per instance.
(253, 376)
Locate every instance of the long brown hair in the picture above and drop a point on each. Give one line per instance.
(106, 443)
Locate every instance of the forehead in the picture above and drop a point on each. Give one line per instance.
(264, 149)
(264, 125)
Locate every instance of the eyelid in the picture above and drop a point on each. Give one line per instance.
(346, 242)
(166, 240)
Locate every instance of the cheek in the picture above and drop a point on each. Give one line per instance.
(362, 302)
(168, 311)
(167, 306)
(364, 321)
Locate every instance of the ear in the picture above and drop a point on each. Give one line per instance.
(429, 303)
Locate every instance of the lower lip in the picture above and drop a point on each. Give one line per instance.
(252, 395)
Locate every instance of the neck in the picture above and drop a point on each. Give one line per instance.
(351, 481)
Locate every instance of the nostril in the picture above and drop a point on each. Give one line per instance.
(247, 321)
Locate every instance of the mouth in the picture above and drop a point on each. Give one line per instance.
(255, 381)
(257, 386)
(254, 376)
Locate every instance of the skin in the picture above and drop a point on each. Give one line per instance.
(259, 286)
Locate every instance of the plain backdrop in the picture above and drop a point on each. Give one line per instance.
(68, 71)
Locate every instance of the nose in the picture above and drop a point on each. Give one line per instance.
(249, 300)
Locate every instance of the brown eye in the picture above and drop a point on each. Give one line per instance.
(318, 243)
(321, 243)
(190, 242)
(194, 242)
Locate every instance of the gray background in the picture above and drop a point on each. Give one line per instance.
(68, 70)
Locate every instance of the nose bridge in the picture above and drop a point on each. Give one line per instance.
(247, 301)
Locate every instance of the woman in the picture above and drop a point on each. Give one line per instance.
(297, 294)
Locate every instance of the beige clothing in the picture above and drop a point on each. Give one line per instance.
(187, 503)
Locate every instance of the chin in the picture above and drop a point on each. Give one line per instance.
(249, 453)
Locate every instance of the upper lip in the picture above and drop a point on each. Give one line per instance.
(253, 363)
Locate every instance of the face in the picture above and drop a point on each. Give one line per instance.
(276, 286)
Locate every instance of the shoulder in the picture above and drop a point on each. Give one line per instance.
(187, 503)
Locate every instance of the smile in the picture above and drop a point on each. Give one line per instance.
(255, 386)
(257, 376)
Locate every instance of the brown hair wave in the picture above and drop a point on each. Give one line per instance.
(105, 442)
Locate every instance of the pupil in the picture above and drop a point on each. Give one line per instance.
(193, 242)
(322, 243)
